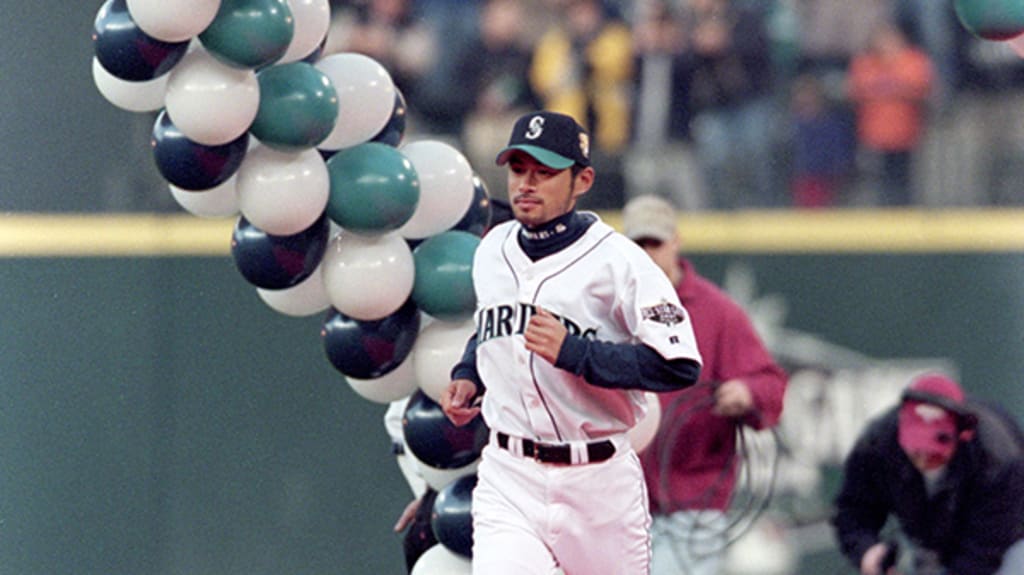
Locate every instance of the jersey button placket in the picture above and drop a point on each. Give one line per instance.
(536, 411)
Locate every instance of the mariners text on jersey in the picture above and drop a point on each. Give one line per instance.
(505, 320)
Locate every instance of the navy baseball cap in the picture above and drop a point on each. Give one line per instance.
(553, 139)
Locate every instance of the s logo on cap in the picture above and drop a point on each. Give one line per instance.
(536, 128)
(553, 139)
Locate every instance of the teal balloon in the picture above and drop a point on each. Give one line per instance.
(298, 107)
(995, 20)
(374, 188)
(249, 33)
(443, 285)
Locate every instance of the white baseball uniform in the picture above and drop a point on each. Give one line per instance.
(532, 517)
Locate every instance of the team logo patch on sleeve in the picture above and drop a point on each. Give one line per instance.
(665, 312)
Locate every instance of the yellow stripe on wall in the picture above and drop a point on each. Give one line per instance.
(113, 235)
(851, 231)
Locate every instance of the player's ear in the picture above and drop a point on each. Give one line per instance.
(582, 182)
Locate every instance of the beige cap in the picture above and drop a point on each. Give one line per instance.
(649, 216)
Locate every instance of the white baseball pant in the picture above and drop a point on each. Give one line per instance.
(531, 518)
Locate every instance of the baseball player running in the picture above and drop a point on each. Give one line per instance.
(574, 324)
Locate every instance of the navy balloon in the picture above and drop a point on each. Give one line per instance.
(127, 52)
(414, 242)
(501, 211)
(190, 165)
(477, 218)
(435, 440)
(370, 349)
(278, 262)
(394, 131)
(451, 518)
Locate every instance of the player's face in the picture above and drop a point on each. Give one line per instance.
(538, 193)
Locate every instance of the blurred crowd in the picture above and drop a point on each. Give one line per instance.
(718, 104)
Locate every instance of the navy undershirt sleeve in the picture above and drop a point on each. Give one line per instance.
(466, 368)
(625, 365)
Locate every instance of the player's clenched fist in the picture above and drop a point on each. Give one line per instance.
(544, 335)
(457, 402)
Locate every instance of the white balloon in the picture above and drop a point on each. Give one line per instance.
(368, 278)
(392, 386)
(446, 187)
(406, 464)
(438, 347)
(220, 201)
(303, 299)
(366, 98)
(641, 435)
(210, 102)
(282, 193)
(173, 20)
(438, 478)
(145, 96)
(439, 560)
(312, 19)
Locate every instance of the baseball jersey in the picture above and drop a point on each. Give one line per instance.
(601, 287)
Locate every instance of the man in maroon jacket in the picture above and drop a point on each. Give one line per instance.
(691, 463)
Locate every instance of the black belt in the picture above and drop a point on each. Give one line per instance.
(550, 453)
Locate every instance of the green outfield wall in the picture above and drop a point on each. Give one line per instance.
(156, 417)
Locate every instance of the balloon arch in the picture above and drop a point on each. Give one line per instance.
(336, 214)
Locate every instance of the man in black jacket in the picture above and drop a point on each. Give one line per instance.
(950, 471)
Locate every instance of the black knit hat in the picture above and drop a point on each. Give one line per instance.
(553, 139)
